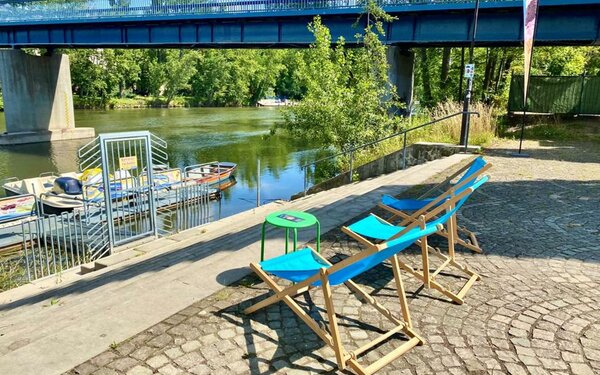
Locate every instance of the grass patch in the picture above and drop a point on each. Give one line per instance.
(551, 129)
(483, 131)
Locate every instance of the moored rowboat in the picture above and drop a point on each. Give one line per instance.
(212, 173)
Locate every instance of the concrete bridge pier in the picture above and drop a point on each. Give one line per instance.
(38, 101)
(401, 73)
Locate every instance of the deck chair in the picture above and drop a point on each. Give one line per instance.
(308, 269)
(407, 209)
(378, 229)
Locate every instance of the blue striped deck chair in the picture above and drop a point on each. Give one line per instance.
(406, 210)
(307, 269)
(373, 228)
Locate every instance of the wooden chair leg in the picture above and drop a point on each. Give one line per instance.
(333, 326)
(452, 236)
(425, 260)
(400, 291)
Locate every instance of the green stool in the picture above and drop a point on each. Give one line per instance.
(290, 220)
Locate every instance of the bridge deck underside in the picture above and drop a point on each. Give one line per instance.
(575, 24)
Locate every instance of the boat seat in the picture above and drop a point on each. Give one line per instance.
(34, 186)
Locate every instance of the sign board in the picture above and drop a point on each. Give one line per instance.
(469, 71)
(128, 162)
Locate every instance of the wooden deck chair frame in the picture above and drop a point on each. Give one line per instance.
(331, 337)
(452, 226)
(426, 275)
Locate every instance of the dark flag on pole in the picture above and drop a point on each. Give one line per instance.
(530, 10)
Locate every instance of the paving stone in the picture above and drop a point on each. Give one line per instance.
(143, 353)
(85, 368)
(174, 352)
(140, 370)
(581, 369)
(123, 364)
(191, 346)
(190, 360)
(170, 370)
(200, 370)
(157, 361)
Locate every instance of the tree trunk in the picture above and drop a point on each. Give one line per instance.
(460, 76)
(445, 64)
(500, 70)
(425, 76)
(489, 69)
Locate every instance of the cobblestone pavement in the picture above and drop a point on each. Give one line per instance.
(536, 310)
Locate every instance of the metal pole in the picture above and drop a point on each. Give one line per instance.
(466, 117)
(258, 183)
(581, 93)
(525, 105)
(351, 164)
(462, 69)
(404, 152)
(305, 169)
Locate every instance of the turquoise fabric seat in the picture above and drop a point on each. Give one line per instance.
(417, 204)
(295, 266)
(374, 228)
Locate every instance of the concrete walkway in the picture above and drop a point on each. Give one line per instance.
(53, 325)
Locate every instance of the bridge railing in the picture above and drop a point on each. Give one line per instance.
(31, 11)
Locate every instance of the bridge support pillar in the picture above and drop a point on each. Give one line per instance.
(401, 73)
(38, 101)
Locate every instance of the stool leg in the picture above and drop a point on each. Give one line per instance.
(318, 237)
(262, 242)
(295, 239)
(287, 238)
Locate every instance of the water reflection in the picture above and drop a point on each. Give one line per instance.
(195, 135)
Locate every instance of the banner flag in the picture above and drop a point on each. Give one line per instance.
(530, 9)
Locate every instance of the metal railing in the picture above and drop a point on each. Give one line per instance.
(31, 11)
(351, 150)
(53, 244)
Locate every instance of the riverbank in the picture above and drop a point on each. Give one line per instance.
(137, 102)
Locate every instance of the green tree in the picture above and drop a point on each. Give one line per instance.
(348, 95)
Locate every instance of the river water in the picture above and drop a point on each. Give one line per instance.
(194, 135)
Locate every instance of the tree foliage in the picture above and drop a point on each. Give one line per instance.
(356, 96)
(348, 97)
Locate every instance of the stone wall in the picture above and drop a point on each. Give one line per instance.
(417, 153)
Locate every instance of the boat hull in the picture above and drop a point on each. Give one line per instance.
(213, 174)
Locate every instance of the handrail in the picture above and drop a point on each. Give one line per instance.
(404, 132)
(34, 11)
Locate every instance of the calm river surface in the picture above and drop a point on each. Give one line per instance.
(194, 135)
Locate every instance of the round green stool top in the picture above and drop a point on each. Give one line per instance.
(291, 219)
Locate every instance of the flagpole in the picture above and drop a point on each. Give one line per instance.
(466, 118)
(525, 106)
(527, 81)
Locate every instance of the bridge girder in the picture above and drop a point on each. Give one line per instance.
(577, 24)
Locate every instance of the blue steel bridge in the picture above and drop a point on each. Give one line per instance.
(282, 23)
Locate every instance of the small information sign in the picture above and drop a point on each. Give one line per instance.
(128, 162)
(469, 70)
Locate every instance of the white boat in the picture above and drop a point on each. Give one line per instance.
(67, 191)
